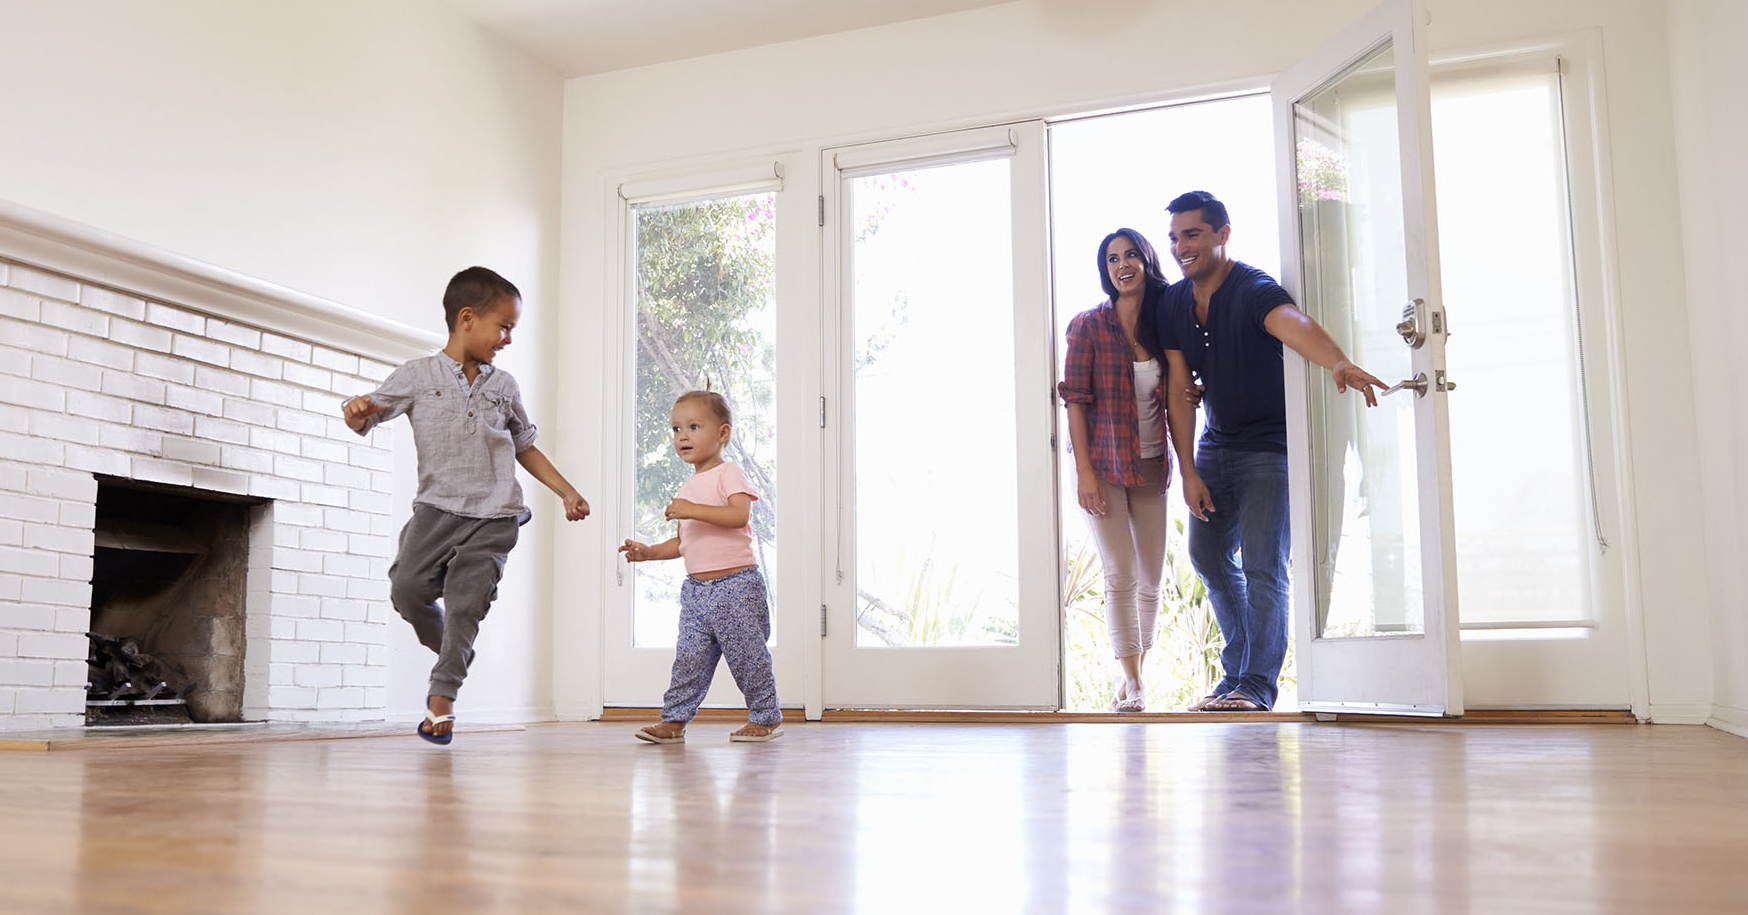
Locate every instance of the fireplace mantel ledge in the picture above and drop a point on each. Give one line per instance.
(62, 245)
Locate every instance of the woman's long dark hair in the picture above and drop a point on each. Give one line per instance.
(1152, 299)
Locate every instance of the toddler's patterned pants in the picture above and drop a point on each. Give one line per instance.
(730, 618)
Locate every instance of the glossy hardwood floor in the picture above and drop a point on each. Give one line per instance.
(893, 818)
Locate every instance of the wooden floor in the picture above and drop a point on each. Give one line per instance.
(901, 818)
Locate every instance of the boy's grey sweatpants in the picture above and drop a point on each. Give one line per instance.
(459, 560)
(730, 618)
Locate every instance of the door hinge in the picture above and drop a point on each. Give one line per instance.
(822, 621)
(822, 412)
(822, 211)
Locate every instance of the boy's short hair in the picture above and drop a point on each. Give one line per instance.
(1213, 211)
(477, 288)
(711, 399)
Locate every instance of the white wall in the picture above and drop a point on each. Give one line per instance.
(1040, 57)
(359, 151)
(1711, 129)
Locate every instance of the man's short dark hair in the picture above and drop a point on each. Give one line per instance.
(1213, 211)
(477, 288)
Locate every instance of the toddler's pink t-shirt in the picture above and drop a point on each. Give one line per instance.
(705, 546)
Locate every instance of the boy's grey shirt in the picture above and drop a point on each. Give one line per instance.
(467, 437)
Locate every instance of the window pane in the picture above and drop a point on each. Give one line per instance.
(1517, 449)
(937, 549)
(705, 311)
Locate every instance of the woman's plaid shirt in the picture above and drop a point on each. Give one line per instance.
(1100, 374)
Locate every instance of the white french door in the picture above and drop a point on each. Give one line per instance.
(1374, 589)
(940, 577)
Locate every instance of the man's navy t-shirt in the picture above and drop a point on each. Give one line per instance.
(1234, 356)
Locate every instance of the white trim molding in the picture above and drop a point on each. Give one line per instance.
(1729, 718)
(72, 248)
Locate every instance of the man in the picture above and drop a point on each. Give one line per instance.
(1221, 332)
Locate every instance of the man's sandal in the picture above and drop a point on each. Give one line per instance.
(434, 721)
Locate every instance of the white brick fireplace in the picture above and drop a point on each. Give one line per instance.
(119, 360)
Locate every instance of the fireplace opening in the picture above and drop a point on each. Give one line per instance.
(168, 591)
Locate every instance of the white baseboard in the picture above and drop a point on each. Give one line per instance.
(1679, 713)
(1729, 718)
(511, 714)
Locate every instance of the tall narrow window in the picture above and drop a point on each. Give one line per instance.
(705, 313)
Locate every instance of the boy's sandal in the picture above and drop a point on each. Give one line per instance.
(771, 733)
(650, 735)
(434, 721)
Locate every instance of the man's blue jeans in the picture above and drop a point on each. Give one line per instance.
(1240, 553)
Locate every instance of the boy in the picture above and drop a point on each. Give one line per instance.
(467, 421)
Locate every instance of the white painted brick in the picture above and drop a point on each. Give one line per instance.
(31, 562)
(74, 673)
(254, 363)
(221, 430)
(72, 619)
(113, 302)
(58, 539)
(300, 515)
(37, 338)
(292, 606)
(248, 411)
(379, 612)
(43, 283)
(374, 371)
(376, 502)
(169, 368)
(14, 419)
(33, 394)
(325, 402)
(345, 653)
(97, 460)
(283, 535)
(291, 697)
(340, 475)
(321, 630)
(33, 618)
(191, 450)
(76, 319)
(338, 697)
(379, 567)
(16, 303)
(285, 346)
(310, 377)
(13, 476)
(35, 450)
(274, 440)
(50, 700)
(62, 484)
(78, 514)
(130, 439)
(373, 458)
(66, 373)
(66, 428)
(234, 334)
(382, 482)
(368, 589)
(322, 449)
(296, 651)
(246, 460)
(334, 608)
(30, 508)
(281, 674)
(375, 698)
(303, 423)
(283, 582)
(322, 495)
(367, 633)
(140, 336)
(345, 565)
(317, 675)
(313, 584)
(297, 560)
(339, 431)
(378, 655)
(193, 400)
(76, 568)
(284, 628)
(162, 472)
(57, 592)
(223, 381)
(29, 672)
(162, 419)
(15, 361)
(8, 644)
(58, 646)
(175, 318)
(352, 522)
(12, 533)
(298, 469)
(99, 406)
(201, 349)
(362, 676)
(336, 360)
(273, 488)
(133, 387)
(99, 352)
(220, 480)
(276, 392)
(323, 541)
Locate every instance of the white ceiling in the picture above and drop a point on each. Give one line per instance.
(579, 37)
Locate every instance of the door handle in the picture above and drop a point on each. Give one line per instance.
(1417, 384)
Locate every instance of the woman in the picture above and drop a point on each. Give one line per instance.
(1117, 433)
